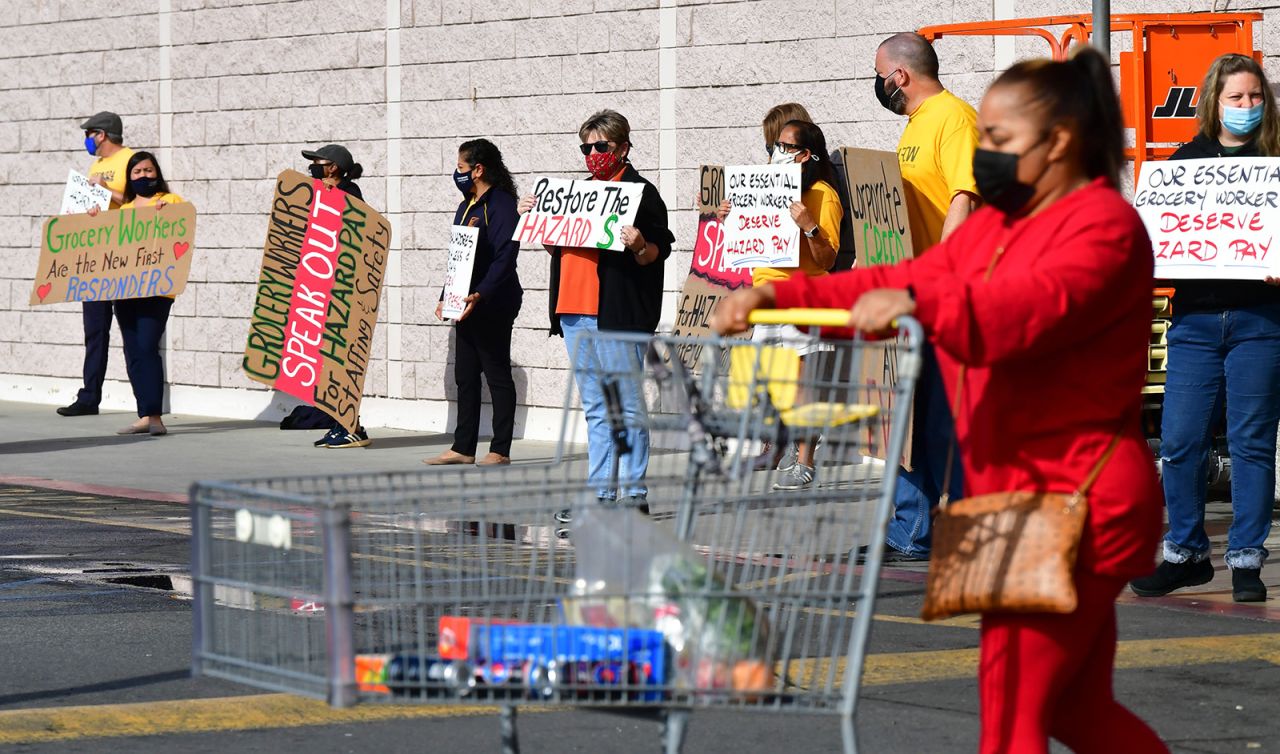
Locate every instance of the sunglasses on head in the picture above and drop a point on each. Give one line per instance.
(600, 147)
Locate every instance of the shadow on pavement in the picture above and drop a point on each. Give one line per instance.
(55, 444)
(93, 688)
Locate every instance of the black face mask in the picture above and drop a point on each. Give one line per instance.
(996, 174)
(145, 187)
(895, 102)
(317, 171)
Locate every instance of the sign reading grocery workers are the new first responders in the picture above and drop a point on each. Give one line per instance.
(127, 253)
(579, 214)
(1212, 219)
(311, 333)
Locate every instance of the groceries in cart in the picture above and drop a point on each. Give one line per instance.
(631, 572)
(504, 659)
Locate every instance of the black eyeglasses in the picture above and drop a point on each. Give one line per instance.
(785, 147)
(600, 147)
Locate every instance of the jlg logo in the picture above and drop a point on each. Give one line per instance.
(1180, 103)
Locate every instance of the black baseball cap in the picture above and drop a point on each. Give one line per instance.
(106, 122)
(335, 153)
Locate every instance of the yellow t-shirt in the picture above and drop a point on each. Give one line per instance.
(142, 201)
(935, 154)
(823, 202)
(112, 169)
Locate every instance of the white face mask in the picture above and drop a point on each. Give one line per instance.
(780, 157)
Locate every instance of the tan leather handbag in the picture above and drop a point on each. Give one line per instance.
(1006, 551)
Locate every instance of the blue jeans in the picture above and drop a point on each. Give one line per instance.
(595, 360)
(1231, 355)
(918, 490)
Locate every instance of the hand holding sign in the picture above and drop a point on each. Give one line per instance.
(458, 300)
(581, 214)
(1212, 219)
(759, 231)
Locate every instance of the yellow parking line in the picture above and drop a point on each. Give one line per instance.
(267, 711)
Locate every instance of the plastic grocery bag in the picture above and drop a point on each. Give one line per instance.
(633, 573)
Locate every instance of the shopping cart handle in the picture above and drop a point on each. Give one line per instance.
(800, 317)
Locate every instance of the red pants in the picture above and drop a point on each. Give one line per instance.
(1045, 675)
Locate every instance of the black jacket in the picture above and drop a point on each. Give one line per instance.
(494, 275)
(1217, 295)
(630, 293)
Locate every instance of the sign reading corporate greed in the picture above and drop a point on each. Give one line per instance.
(126, 253)
(311, 334)
(582, 214)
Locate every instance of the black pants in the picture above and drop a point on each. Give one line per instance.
(484, 346)
(97, 344)
(142, 323)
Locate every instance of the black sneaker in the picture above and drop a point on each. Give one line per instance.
(1247, 586)
(1170, 576)
(892, 555)
(345, 439)
(639, 502)
(78, 409)
(330, 436)
(563, 516)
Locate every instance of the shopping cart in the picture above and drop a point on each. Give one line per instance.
(446, 586)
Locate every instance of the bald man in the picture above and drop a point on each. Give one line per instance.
(935, 154)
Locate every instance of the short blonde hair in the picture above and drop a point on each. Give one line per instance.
(610, 123)
(778, 116)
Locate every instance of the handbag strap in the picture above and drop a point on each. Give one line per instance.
(1089, 480)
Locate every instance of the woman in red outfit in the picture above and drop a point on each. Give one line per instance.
(1054, 346)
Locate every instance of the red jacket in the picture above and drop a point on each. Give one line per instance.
(1056, 348)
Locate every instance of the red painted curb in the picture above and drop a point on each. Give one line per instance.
(95, 489)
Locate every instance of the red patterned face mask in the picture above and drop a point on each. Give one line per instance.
(603, 165)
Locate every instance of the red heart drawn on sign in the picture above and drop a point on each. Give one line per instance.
(180, 248)
(43, 290)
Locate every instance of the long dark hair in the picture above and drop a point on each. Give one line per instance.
(483, 152)
(1079, 92)
(818, 166)
(162, 186)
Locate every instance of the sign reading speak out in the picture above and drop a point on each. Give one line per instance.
(1212, 219)
(759, 231)
(580, 214)
(80, 195)
(881, 229)
(126, 253)
(311, 333)
(710, 277)
(462, 259)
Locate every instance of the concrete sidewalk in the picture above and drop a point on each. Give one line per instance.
(87, 450)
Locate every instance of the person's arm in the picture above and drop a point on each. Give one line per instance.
(824, 246)
(652, 228)
(500, 231)
(962, 205)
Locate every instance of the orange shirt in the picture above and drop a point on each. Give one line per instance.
(579, 283)
(579, 291)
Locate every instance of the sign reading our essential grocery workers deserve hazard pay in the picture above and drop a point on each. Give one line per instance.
(1212, 219)
(311, 333)
(759, 231)
(582, 214)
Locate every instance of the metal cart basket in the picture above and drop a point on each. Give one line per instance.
(449, 586)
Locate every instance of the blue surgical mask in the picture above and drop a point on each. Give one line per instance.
(90, 145)
(1242, 121)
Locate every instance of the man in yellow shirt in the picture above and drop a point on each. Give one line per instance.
(935, 155)
(104, 139)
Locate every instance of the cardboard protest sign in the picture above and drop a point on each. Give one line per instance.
(127, 253)
(582, 214)
(1212, 219)
(881, 230)
(881, 235)
(457, 280)
(311, 333)
(710, 277)
(80, 195)
(759, 231)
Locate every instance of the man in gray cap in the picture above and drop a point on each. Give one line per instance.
(104, 139)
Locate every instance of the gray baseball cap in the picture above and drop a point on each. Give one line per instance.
(107, 122)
